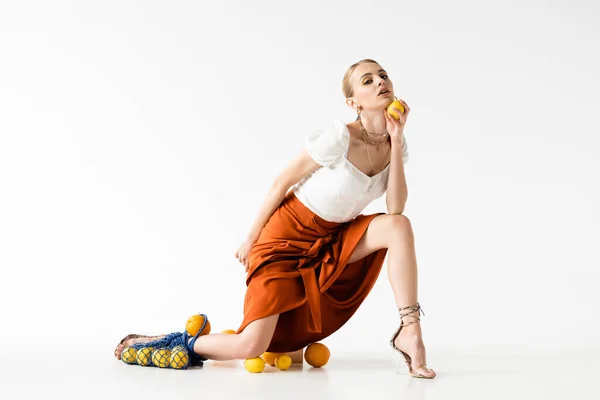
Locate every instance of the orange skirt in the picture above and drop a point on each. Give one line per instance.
(299, 269)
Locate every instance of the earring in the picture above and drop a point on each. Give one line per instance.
(358, 110)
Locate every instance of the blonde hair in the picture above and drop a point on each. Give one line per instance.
(346, 85)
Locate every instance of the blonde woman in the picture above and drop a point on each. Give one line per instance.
(311, 257)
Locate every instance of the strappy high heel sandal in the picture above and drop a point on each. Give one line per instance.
(415, 308)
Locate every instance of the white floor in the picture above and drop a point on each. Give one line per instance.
(80, 373)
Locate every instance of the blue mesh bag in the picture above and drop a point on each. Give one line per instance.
(172, 351)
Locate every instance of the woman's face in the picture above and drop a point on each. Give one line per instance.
(368, 80)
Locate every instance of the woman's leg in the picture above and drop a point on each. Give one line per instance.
(394, 232)
(252, 342)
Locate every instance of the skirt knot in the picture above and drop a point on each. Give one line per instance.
(299, 269)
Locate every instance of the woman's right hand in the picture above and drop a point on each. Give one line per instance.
(242, 253)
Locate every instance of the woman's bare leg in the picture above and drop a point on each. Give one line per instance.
(395, 233)
(252, 342)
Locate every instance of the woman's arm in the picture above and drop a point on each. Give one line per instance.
(300, 167)
(274, 197)
(397, 191)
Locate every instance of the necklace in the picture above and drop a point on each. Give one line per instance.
(370, 141)
(371, 162)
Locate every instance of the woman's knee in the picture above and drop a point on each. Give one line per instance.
(252, 346)
(400, 225)
(256, 337)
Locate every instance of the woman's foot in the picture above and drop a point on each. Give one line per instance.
(410, 341)
(133, 339)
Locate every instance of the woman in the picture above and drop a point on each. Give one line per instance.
(311, 257)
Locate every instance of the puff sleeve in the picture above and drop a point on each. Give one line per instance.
(328, 145)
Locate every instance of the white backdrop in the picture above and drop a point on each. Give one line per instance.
(138, 140)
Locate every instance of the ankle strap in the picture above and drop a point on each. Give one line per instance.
(414, 308)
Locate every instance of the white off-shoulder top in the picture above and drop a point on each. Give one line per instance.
(339, 191)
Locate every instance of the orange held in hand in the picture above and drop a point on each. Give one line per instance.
(395, 104)
(317, 354)
(194, 323)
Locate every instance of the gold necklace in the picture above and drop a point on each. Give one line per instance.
(370, 141)
(371, 162)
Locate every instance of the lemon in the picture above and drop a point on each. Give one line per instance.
(129, 355)
(270, 357)
(317, 354)
(255, 364)
(194, 323)
(179, 358)
(144, 355)
(283, 362)
(161, 358)
(396, 104)
(178, 348)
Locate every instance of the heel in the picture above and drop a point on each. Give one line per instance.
(411, 309)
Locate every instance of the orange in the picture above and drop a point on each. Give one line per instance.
(194, 323)
(229, 331)
(317, 354)
(270, 357)
(396, 104)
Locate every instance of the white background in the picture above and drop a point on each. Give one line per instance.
(138, 140)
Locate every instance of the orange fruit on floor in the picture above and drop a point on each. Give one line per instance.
(270, 357)
(395, 104)
(194, 323)
(317, 354)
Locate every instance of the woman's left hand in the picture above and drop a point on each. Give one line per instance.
(396, 127)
